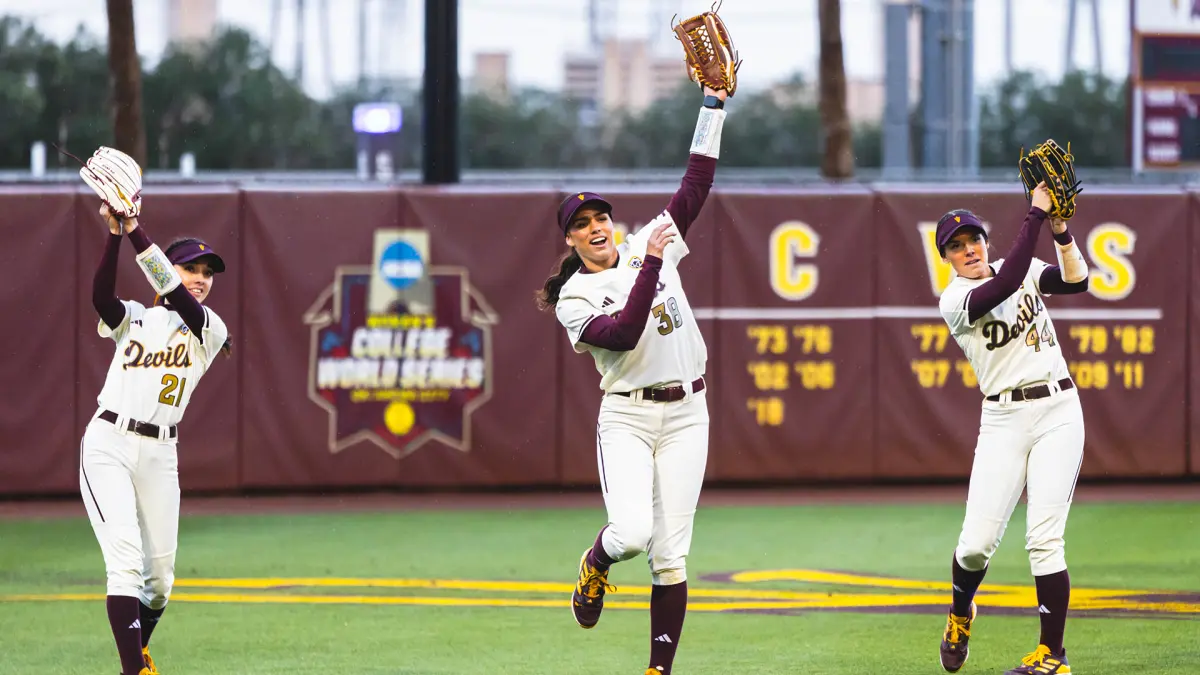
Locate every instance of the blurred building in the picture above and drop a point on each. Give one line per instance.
(626, 75)
(864, 98)
(491, 75)
(190, 20)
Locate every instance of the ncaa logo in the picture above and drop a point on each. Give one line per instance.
(401, 265)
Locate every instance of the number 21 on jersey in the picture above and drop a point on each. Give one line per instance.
(169, 396)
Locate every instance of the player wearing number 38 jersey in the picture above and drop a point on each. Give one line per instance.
(625, 305)
(1031, 427)
(128, 468)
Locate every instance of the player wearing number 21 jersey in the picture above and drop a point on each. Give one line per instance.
(1031, 426)
(128, 466)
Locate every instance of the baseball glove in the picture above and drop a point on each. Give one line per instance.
(1048, 163)
(708, 50)
(117, 179)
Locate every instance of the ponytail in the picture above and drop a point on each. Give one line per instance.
(569, 264)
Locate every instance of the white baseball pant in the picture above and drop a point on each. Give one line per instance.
(1036, 446)
(652, 458)
(130, 485)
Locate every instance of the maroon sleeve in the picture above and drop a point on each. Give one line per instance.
(181, 300)
(1051, 281)
(104, 285)
(621, 332)
(990, 294)
(687, 201)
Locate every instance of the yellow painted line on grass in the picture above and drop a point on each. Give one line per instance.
(636, 597)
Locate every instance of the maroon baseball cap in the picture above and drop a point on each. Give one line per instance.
(571, 205)
(952, 222)
(193, 250)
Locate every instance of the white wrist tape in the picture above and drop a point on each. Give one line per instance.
(1071, 263)
(159, 271)
(707, 139)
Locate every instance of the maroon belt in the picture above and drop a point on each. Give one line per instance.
(1036, 391)
(666, 394)
(139, 428)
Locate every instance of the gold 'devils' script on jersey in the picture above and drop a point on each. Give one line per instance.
(157, 362)
(1015, 344)
(671, 348)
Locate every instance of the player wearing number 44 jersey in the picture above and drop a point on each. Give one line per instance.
(128, 468)
(625, 305)
(1031, 427)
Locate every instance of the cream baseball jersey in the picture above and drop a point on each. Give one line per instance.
(671, 348)
(157, 363)
(1015, 344)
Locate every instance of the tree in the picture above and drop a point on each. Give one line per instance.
(837, 159)
(1087, 109)
(126, 71)
(225, 102)
(533, 129)
(20, 99)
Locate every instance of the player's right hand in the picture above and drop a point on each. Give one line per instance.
(659, 239)
(1041, 197)
(114, 223)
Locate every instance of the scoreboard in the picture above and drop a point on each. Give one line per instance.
(1165, 69)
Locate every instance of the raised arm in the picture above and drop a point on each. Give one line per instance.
(988, 295)
(1070, 275)
(104, 284)
(622, 331)
(688, 200)
(181, 299)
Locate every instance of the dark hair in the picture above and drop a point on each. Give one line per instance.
(567, 265)
(228, 346)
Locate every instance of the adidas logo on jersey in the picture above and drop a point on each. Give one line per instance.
(607, 301)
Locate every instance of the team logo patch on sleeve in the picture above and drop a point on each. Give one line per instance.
(635, 262)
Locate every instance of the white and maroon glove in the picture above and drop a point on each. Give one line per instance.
(117, 179)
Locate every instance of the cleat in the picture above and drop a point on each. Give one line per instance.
(653, 671)
(1041, 662)
(954, 650)
(149, 669)
(587, 600)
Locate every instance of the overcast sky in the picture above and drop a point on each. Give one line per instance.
(775, 37)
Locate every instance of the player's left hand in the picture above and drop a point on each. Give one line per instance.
(1057, 225)
(719, 93)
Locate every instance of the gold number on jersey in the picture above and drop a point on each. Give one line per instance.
(169, 396)
(1034, 338)
(668, 316)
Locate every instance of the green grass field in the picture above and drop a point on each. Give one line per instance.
(488, 592)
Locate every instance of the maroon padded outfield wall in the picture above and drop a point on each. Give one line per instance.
(388, 337)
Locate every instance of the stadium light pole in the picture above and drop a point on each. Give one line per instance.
(440, 118)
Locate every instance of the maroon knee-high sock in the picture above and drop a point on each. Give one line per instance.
(127, 630)
(1054, 595)
(597, 557)
(668, 605)
(149, 619)
(965, 584)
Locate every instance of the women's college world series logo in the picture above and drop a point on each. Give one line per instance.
(401, 350)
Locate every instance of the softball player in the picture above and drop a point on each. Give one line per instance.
(1031, 427)
(128, 469)
(625, 304)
